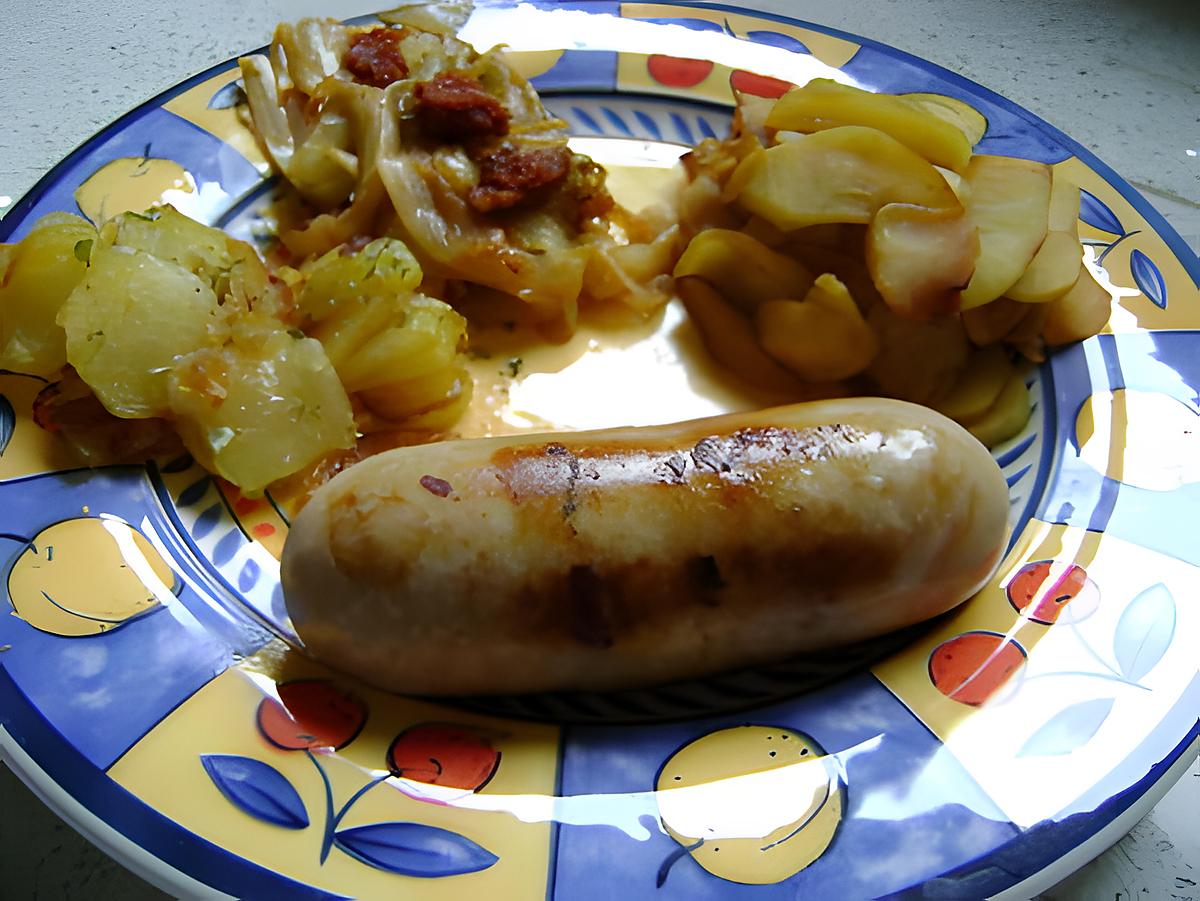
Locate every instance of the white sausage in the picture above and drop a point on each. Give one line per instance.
(609, 559)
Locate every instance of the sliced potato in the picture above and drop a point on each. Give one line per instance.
(385, 268)
(260, 407)
(744, 271)
(128, 322)
(823, 103)
(429, 340)
(823, 338)
(986, 373)
(1051, 272)
(921, 259)
(169, 235)
(405, 398)
(1006, 416)
(729, 336)
(1080, 313)
(43, 269)
(1008, 200)
(953, 111)
(841, 175)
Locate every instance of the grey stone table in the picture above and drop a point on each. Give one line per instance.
(1122, 78)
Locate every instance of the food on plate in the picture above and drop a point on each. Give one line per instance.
(35, 279)
(411, 133)
(936, 249)
(176, 326)
(600, 560)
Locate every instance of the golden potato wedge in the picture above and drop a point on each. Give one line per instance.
(1006, 416)
(260, 407)
(841, 175)
(127, 323)
(385, 268)
(984, 377)
(1080, 313)
(1051, 272)
(729, 336)
(1008, 200)
(419, 347)
(43, 269)
(403, 399)
(921, 259)
(953, 111)
(745, 271)
(823, 338)
(823, 103)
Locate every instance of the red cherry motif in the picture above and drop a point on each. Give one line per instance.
(764, 85)
(443, 754)
(678, 71)
(313, 714)
(759, 85)
(1041, 601)
(970, 668)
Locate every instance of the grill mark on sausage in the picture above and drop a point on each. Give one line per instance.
(456, 107)
(374, 57)
(589, 608)
(550, 469)
(704, 575)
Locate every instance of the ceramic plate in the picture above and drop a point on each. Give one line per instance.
(145, 695)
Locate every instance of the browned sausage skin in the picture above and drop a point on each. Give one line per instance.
(609, 559)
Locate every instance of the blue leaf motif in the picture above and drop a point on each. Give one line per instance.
(193, 492)
(8, 423)
(1144, 632)
(414, 849)
(207, 521)
(586, 118)
(1096, 213)
(617, 122)
(229, 544)
(257, 789)
(775, 39)
(1068, 729)
(648, 123)
(1148, 279)
(228, 96)
(248, 577)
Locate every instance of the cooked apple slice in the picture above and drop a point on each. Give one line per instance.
(822, 338)
(1007, 416)
(985, 376)
(745, 271)
(1078, 314)
(823, 104)
(921, 259)
(1052, 272)
(917, 361)
(961, 115)
(729, 336)
(841, 175)
(995, 321)
(1008, 199)
(1064, 205)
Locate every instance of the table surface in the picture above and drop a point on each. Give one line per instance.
(1123, 79)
